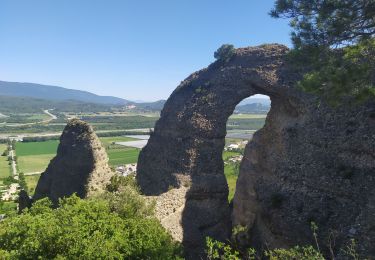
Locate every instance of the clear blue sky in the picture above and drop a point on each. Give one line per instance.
(139, 50)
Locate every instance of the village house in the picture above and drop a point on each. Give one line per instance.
(127, 169)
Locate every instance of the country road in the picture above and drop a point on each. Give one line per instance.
(14, 164)
(45, 121)
(53, 117)
(11, 192)
(32, 173)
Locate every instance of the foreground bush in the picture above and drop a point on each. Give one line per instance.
(84, 229)
(218, 250)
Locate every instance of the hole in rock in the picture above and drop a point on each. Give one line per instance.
(248, 117)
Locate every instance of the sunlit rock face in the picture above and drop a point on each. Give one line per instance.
(309, 163)
(317, 166)
(80, 166)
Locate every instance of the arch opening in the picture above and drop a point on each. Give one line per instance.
(248, 117)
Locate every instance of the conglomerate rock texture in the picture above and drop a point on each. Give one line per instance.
(80, 166)
(310, 162)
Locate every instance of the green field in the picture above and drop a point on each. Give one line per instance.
(4, 166)
(247, 116)
(32, 181)
(36, 148)
(124, 155)
(34, 163)
(35, 156)
(228, 154)
(106, 141)
(231, 177)
(231, 173)
(245, 123)
(38, 117)
(119, 154)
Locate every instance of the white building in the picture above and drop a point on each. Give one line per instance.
(127, 169)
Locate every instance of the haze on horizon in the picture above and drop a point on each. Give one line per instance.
(137, 50)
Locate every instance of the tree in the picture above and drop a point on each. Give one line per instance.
(224, 53)
(334, 46)
(22, 181)
(9, 180)
(328, 22)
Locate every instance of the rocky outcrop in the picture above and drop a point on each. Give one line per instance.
(168, 210)
(316, 167)
(309, 163)
(80, 166)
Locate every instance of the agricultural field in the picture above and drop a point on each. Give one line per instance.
(108, 141)
(4, 166)
(34, 163)
(26, 118)
(245, 123)
(123, 155)
(35, 156)
(102, 122)
(228, 154)
(38, 117)
(119, 154)
(36, 148)
(231, 171)
(231, 174)
(113, 113)
(247, 116)
(31, 181)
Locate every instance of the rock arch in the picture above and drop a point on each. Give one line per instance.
(288, 176)
(189, 137)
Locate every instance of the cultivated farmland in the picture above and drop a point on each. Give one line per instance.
(123, 155)
(35, 156)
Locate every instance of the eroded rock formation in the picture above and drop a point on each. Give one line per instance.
(309, 162)
(80, 166)
(317, 167)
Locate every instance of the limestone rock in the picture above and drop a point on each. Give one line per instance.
(80, 166)
(309, 163)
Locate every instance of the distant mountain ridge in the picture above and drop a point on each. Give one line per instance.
(252, 108)
(47, 92)
(255, 100)
(16, 105)
(32, 96)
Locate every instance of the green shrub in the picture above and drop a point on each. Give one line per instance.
(84, 229)
(22, 181)
(219, 250)
(225, 52)
(117, 183)
(9, 180)
(297, 252)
